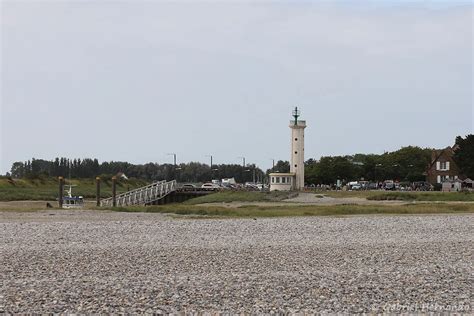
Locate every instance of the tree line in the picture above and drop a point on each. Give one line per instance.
(406, 164)
(89, 168)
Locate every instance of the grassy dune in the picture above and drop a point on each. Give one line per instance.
(403, 196)
(424, 196)
(301, 210)
(242, 196)
(275, 196)
(47, 189)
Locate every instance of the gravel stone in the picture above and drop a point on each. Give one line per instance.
(105, 262)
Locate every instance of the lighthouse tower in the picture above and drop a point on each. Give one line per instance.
(297, 150)
(294, 180)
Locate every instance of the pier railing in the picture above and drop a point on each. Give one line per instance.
(144, 195)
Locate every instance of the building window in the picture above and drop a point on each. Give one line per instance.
(273, 179)
(296, 139)
(442, 165)
(296, 166)
(289, 180)
(283, 179)
(296, 152)
(277, 179)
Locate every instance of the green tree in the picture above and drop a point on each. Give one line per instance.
(280, 166)
(464, 155)
(18, 170)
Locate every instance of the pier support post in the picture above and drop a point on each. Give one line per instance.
(97, 189)
(114, 191)
(61, 191)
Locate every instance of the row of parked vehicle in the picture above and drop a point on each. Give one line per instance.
(217, 185)
(390, 185)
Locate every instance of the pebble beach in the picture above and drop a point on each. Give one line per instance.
(106, 262)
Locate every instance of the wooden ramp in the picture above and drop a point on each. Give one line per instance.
(149, 194)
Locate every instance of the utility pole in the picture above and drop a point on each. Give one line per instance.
(273, 164)
(211, 160)
(174, 158)
(61, 190)
(97, 188)
(211, 166)
(243, 168)
(243, 161)
(114, 191)
(375, 173)
(174, 165)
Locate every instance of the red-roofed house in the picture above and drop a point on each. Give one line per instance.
(442, 166)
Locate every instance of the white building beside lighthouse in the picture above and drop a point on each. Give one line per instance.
(294, 180)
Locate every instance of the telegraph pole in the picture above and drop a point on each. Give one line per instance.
(175, 171)
(174, 158)
(243, 168)
(243, 161)
(114, 191)
(61, 190)
(97, 188)
(211, 160)
(273, 164)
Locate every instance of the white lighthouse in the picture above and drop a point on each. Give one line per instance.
(297, 150)
(294, 180)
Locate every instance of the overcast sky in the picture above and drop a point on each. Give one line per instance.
(134, 80)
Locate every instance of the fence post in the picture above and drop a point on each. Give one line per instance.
(97, 184)
(114, 191)
(61, 190)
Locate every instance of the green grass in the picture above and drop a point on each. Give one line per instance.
(348, 194)
(47, 189)
(242, 196)
(403, 196)
(424, 196)
(303, 210)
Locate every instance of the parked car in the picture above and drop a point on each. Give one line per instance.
(228, 186)
(354, 185)
(364, 185)
(422, 186)
(189, 186)
(210, 186)
(372, 186)
(251, 186)
(405, 186)
(389, 185)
